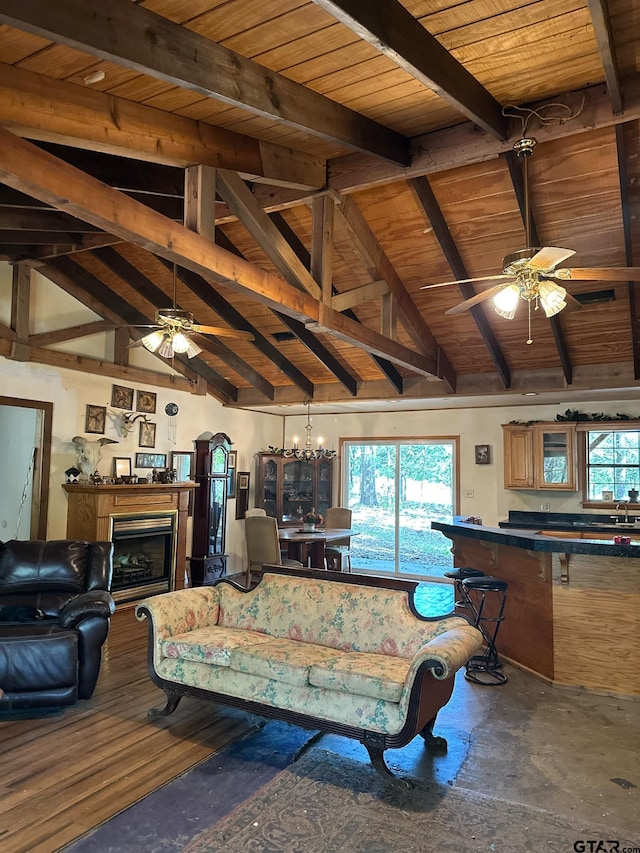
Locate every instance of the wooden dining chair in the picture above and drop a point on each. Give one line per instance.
(263, 546)
(338, 553)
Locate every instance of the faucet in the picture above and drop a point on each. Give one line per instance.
(624, 504)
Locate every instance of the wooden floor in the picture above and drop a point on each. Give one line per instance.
(61, 776)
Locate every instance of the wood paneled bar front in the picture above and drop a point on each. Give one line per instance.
(94, 510)
(573, 604)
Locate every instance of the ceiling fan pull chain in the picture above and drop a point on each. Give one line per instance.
(529, 339)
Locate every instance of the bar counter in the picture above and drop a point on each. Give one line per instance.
(573, 602)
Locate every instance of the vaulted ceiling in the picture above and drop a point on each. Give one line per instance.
(307, 167)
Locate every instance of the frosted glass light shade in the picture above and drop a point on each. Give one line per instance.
(506, 301)
(180, 342)
(193, 349)
(152, 341)
(551, 297)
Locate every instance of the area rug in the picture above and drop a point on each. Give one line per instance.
(325, 803)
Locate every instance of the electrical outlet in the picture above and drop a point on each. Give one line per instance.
(469, 493)
(545, 507)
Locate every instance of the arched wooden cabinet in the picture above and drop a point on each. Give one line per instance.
(208, 560)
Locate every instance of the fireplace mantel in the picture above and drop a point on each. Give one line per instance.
(92, 507)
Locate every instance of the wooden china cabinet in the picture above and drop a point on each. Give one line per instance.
(289, 487)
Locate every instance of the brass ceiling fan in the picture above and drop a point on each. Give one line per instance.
(173, 330)
(531, 273)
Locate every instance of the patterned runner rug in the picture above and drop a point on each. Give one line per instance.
(324, 803)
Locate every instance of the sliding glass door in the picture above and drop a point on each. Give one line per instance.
(395, 489)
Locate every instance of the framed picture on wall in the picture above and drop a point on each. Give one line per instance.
(151, 460)
(242, 493)
(121, 466)
(122, 397)
(147, 436)
(146, 402)
(95, 418)
(483, 454)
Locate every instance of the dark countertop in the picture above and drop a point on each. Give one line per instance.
(533, 541)
(523, 520)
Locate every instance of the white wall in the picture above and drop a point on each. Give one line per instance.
(491, 501)
(70, 392)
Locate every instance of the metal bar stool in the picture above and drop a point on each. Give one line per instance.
(486, 597)
(458, 575)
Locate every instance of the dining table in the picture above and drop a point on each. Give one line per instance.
(302, 543)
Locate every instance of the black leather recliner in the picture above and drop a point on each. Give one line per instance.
(55, 607)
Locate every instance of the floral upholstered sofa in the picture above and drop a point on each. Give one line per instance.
(340, 653)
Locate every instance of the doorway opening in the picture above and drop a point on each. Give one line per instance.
(25, 436)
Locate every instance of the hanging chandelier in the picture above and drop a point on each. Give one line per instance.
(306, 453)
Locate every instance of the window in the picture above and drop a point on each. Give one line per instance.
(394, 490)
(613, 463)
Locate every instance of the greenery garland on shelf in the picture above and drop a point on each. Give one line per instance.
(573, 415)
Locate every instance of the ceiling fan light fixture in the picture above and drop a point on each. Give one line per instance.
(166, 350)
(193, 349)
(180, 342)
(506, 301)
(552, 297)
(152, 341)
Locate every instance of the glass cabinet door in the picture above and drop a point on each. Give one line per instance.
(269, 488)
(556, 462)
(324, 488)
(297, 489)
(217, 503)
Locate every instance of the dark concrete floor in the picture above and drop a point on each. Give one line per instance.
(564, 750)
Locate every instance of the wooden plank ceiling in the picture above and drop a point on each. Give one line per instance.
(306, 167)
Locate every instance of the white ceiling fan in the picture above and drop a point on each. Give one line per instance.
(531, 273)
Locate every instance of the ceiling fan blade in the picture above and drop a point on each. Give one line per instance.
(502, 276)
(549, 257)
(603, 274)
(478, 298)
(223, 332)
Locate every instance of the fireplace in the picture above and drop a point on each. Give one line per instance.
(145, 521)
(143, 554)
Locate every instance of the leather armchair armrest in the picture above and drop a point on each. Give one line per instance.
(98, 602)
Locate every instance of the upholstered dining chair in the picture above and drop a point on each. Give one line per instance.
(263, 546)
(339, 552)
(250, 513)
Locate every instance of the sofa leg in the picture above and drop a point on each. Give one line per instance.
(431, 741)
(173, 700)
(376, 754)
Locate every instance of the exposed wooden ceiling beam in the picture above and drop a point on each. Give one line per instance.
(115, 125)
(28, 169)
(517, 179)
(429, 204)
(137, 38)
(386, 367)
(393, 30)
(45, 339)
(633, 287)
(463, 144)
(41, 220)
(240, 200)
(606, 46)
(381, 267)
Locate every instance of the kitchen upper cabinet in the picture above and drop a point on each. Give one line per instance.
(540, 456)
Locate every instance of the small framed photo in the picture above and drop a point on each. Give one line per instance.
(122, 397)
(483, 454)
(147, 437)
(95, 419)
(151, 460)
(146, 402)
(232, 459)
(242, 493)
(121, 466)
